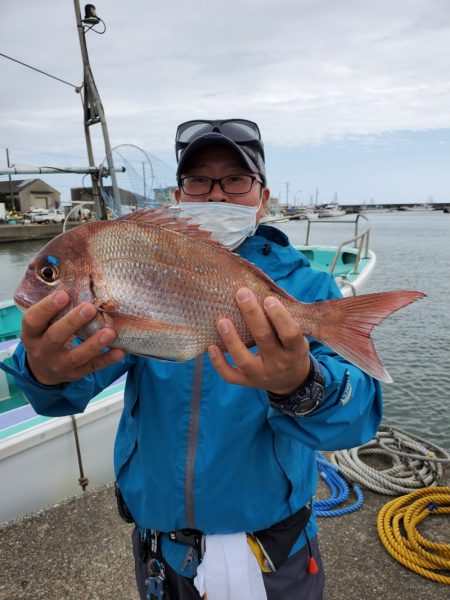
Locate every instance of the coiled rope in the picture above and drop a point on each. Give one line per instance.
(339, 487)
(416, 463)
(397, 522)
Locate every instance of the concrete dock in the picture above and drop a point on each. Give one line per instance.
(32, 231)
(80, 550)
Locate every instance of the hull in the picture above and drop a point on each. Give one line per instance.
(38, 455)
(329, 213)
(349, 278)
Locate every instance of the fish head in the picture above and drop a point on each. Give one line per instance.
(59, 266)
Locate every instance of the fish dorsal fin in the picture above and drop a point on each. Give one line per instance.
(169, 218)
(148, 215)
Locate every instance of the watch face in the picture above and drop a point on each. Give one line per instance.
(306, 399)
(305, 406)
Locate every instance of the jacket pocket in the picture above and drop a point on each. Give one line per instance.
(299, 467)
(126, 437)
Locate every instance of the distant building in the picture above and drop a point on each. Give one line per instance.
(273, 206)
(28, 194)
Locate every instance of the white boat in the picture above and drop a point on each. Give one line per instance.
(39, 463)
(416, 207)
(351, 262)
(330, 210)
(277, 218)
(375, 208)
(303, 212)
(39, 457)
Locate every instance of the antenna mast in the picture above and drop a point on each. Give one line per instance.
(94, 113)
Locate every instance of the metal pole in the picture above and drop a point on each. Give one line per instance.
(11, 192)
(94, 113)
(57, 171)
(100, 207)
(143, 177)
(108, 150)
(82, 480)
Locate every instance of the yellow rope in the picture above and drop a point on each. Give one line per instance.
(397, 527)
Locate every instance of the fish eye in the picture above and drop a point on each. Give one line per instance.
(49, 273)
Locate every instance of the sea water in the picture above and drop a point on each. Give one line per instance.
(413, 252)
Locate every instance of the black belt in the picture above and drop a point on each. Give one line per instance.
(187, 537)
(277, 540)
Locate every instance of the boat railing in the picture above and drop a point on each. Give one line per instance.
(360, 240)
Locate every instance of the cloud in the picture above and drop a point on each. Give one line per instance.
(305, 70)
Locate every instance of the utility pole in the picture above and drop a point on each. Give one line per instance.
(94, 113)
(287, 193)
(11, 192)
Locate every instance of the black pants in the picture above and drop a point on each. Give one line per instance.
(290, 582)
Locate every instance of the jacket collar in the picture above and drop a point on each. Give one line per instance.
(270, 250)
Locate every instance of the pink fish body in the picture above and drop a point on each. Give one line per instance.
(163, 284)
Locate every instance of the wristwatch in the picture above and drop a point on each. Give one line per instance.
(306, 398)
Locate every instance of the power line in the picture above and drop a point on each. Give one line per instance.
(39, 71)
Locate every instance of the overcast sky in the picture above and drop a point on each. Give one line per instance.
(352, 96)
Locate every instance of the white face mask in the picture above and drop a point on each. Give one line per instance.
(230, 224)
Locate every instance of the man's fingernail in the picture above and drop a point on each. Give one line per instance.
(223, 327)
(243, 295)
(87, 310)
(270, 302)
(106, 337)
(60, 298)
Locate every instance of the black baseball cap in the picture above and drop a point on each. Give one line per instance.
(240, 135)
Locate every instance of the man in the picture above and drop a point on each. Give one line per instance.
(222, 446)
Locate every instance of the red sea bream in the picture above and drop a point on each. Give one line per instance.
(163, 284)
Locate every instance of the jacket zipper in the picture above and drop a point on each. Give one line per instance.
(192, 442)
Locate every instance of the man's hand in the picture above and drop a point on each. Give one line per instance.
(50, 358)
(282, 362)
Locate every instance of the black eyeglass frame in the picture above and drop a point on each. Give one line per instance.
(219, 181)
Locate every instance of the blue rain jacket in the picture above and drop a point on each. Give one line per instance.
(194, 451)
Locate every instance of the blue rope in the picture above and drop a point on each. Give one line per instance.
(339, 487)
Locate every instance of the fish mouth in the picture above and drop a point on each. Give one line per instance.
(21, 302)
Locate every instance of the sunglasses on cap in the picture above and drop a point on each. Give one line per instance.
(239, 131)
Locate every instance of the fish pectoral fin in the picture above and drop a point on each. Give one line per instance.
(106, 306)
(122, 320)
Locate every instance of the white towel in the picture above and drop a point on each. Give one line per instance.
(229, 570)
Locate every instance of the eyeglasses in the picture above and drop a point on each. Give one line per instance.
(240, 131)
(231, 184)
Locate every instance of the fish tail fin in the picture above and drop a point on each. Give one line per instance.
(345, 325)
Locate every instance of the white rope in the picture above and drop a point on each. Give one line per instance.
(415, 463)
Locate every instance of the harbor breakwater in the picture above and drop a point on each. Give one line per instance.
(32, 231)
